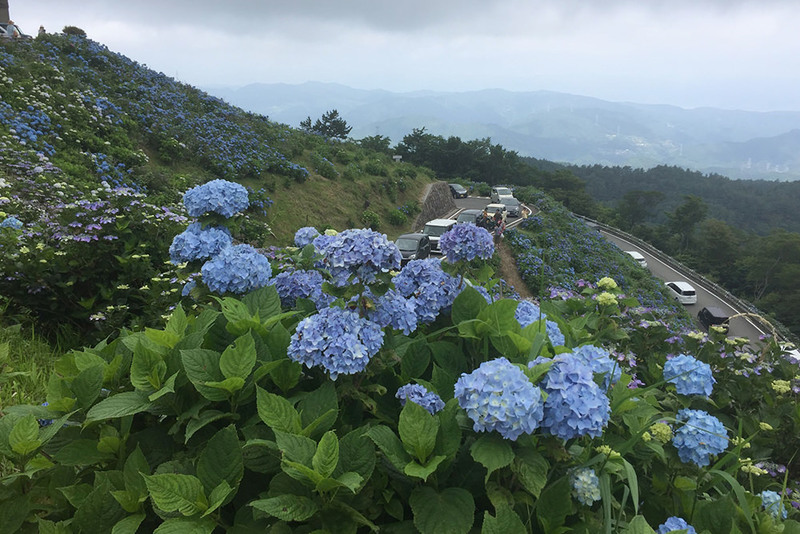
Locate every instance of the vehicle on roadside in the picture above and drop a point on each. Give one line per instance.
(458, 191)
(790, 352)
(498, 192)
(713, 316)
(468, 216)
(435, 229)
(683, 292)
(6, 33)
(494, 208)
(415, 246)
(513, 206)
(637, 257)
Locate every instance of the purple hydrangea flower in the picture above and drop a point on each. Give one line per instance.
(585, 485)
(198, 243)
(396, 311)
(238, 269)
(305, 236)
(673, 524)
(420, 395)
(337, 340)
(465, 242)
(218, 196)
(690, 375)
(771, 501)
(428, 286)
(11, 222)
(360, 254)
(292, 285)
(601, 363)
(498, 396)
(701, 436)
(575, 406)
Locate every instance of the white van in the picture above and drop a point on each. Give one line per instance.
(435, 228)
(637, 256)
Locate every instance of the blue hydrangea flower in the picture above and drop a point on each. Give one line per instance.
(575, 406)
(498, 396)
(187, 288)
(238, 269)
(601, 362)
(420, 395)
(11, 222)
(428, 286)
(45, 422)
(198, 243)
(358, 254)
(396, 311)
(701, 436)
(217, 196)
(322, 241)
(337, 340)
(690, 375)
(527, 313)
(771, 501)
(305, 236)
(673, 524)
(292, 285)
(585, 485)
(465, 242)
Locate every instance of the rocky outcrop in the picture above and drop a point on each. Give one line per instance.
(438, 202)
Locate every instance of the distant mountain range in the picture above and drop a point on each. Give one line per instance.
(553, 126)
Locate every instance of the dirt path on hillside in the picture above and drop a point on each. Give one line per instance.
(508, 271)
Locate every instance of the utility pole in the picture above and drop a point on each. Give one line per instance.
(4, 14)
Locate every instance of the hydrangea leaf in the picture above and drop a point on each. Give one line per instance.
(277, 412)
(506, 521)
(148, 369)
(128, 525)
(531, 469)
(554, 504)
(175, 492)
(318, 403)
(357, 453)
(492, 453)
(119, 405)
(24, 436)
(202, 366)
(287, 507)
(238, 360)
(638, 525)
(294, 447)
(221, 460)
(390, 445)
(450, 511)
(415, 469)
(467, 305)
(263, 302)
(418, 430)
(326, 457)
(183, 525)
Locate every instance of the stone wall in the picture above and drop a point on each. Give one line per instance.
(4, 16)
(438, 203)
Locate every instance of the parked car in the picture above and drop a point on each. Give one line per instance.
(435, 229)
(790, 352)
(468, 216)
(513, 206)
(683, 292)
(498, 192)
(637, 257)
(713, 316)
(458, 191)
(494, 208)
(413, 246)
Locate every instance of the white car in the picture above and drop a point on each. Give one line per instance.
(638, 257)
(500, 192)
(683, 292)
(434, 230)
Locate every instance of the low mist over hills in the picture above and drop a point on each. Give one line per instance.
(554, 126)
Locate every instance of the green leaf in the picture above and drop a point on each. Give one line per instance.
(351, 480)
(639, 525)
(554, 505)
(163, 338)
(357, 453)
(129, 525)
(492, 452)
(205, 418)
(181, 525)
(277, 412)
(24, 436)
(295, 447)
(168, 387)
(76, 493)
(415, 361)
(715, 516)
(50, 527)
(449, 512)
(202, 366)
(263, 302)
(633, 484)
(467, 305)
(221, 460)
(87, 385)
(531, 469)
(177, 322)
(130, 501)
(135, 466)
(390, 445)
(326, 458)
(218, 497)
(148, 369)
(449, 439)
(239, 359)
(287, 374)
(418, 430)
(173, 492)
(500, 317)
(287, 507)
(229, 385)
(99, 511)
(81, 452)
(415, 469)
(14, 512)
(301, 472)
(119, 405)
(323, 422)
(505, 522)
(240, 319)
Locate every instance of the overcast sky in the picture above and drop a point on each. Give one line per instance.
(734, 54)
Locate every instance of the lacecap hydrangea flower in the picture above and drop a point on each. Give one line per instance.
(771, 501)
(338, 340)
(238, 269)
(575, 406)
(601, 363)
(673, 524)
(465, 242)
(217, 196)
(11, 222)
(527, 313)
(701, 436)
(585, 485)
(305, 236)
(198, 243)
(428, 286)
(690, 375)
(420, 395)
(361, 254)
(292, 285)
(396, 311)
(498, 396)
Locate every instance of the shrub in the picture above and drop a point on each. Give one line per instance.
(324, 167)
(370, 219)
(375, 168)
(397, 218)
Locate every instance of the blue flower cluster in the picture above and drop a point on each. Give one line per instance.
(527, 313)
(601, 363)
(238, 269)
(305, 236)
(11, 222)
(498, 396)
(690, 375)
(585, 485)
(431, 289)
(701, 436)
(420, 395)
(771, 501)
(396, 311)
(675, 524)
(358, 254)
(575, 406)
(292, 285)
(337, 340)
(198, 243)
(217, 196)
(465, 242)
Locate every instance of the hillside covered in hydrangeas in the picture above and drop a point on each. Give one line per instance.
(314, 384)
